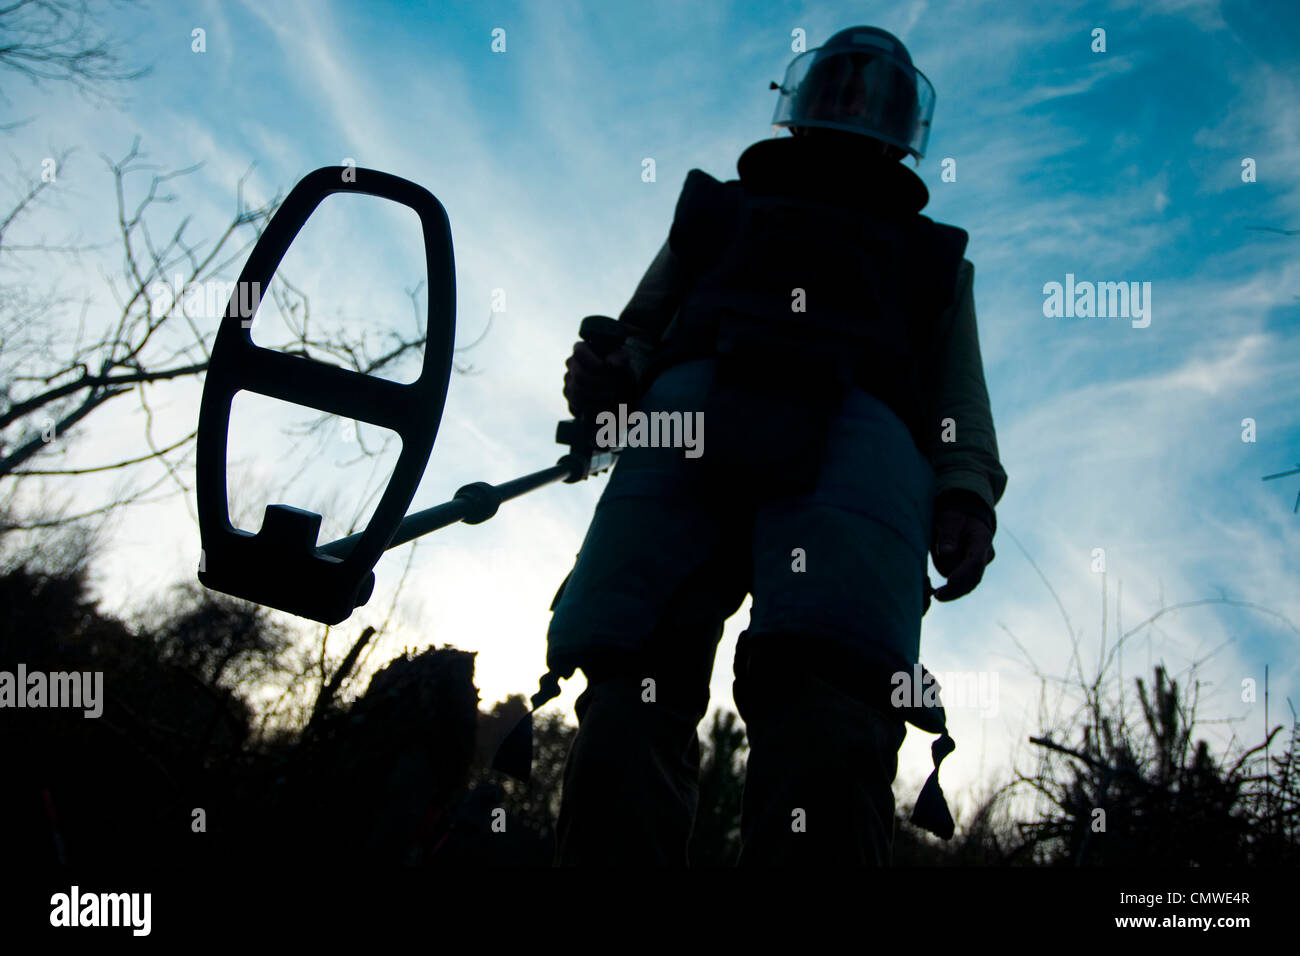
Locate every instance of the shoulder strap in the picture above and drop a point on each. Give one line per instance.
(704, 220)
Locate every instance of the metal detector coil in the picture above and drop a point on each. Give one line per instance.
(281, 565)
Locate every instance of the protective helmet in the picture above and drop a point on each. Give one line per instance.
(862, 80)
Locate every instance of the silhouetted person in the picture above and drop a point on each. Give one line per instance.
(826, 330)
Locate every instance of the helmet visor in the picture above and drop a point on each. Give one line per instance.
(871, 93)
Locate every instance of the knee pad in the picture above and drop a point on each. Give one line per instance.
(772, 663)
(627, 674)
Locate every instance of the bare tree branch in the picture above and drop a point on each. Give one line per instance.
(118, 464)
(55, 40)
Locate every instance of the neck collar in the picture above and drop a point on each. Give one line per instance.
(832, 170)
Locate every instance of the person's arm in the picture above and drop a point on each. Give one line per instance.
(969, 475)
(652, 308)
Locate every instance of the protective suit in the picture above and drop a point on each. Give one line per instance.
(826, 331)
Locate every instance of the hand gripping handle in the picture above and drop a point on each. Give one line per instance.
(605, 335)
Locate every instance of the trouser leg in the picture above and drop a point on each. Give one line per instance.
(631, 778)
(821, 762)
(839, 578)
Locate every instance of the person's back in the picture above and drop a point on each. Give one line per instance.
(825, 331)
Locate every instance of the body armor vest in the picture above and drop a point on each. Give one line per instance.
(799, 290)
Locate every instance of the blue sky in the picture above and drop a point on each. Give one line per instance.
(1117, 166)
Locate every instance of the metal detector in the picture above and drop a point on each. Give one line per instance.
(282, 566)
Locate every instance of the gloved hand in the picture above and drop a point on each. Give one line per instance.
(593, 384)
(962, 546)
